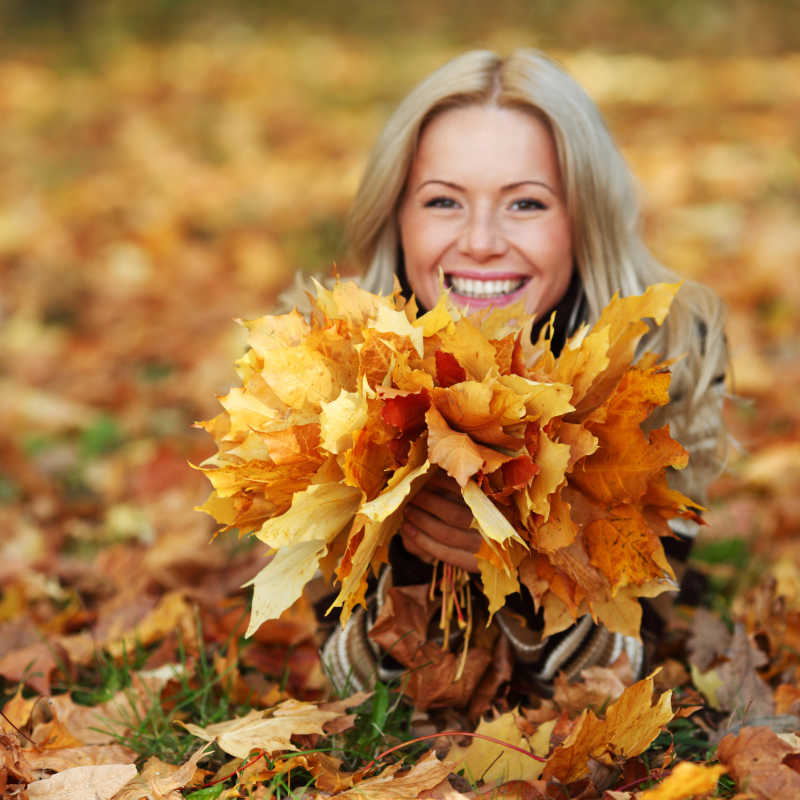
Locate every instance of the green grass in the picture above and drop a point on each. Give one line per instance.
(199, 695)
(382, 721)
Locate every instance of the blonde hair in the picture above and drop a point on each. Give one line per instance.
(603, 210)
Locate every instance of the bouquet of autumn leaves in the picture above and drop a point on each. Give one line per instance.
(342, 416)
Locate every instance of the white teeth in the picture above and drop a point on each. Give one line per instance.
(470, 287)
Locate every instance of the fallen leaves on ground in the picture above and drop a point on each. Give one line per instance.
(147, 203)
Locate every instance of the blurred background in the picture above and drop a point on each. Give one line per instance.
(167, 165)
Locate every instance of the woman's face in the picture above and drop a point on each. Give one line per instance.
(484, 203)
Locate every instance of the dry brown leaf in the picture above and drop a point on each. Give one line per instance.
(77, 783)
(754, 758)
(85, 756)
(33, 664)
(161, 781)
(402, 630)
(596, 687)
(709, 639)
(742, 687)
(270, 730)
(427, 773)
(14, 766)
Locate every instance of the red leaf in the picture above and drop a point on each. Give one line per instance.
(519, 471)
(407, 412)
(448, 370)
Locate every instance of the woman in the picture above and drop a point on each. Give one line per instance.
(499, 178)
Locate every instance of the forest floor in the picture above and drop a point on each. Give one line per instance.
(146, 205)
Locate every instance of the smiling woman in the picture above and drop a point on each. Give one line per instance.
(498, 179)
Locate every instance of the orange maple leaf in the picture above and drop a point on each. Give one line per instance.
(631, 723)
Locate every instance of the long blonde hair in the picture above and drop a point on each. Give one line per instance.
(603, 210)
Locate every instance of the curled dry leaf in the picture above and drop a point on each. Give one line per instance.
(352, 409)
(161, 780)
(755, 758)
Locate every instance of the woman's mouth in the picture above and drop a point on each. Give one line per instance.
(480, 289)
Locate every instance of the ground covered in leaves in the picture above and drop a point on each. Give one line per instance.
(143, 206)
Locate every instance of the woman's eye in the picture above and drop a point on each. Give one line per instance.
(441, 202)
(527, 204)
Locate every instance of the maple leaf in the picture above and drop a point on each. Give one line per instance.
(448, 370)
(269, 730)
(377, 520)
(482, 410)
(455, 452)
(340, 419)
(493, 763)
(686, 779)
(630, 725)
(552, 458)
(281, 582)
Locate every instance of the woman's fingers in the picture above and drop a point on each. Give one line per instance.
(453, 511)
(437, 525)
(430, 549)
(451, 535)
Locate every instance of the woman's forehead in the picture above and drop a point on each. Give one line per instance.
(499, 145)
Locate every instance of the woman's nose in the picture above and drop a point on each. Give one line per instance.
(481, 238)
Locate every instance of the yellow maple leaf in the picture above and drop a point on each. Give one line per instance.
(397, 323)
(341, 418)
(497, 584)
(552, 458)
(482, 409)
(376, 522)
(631, 723)
(317, 513)
(494, 763)
(686, 780)
(470, 346)
(624, 548)
(543, 401)
(281, 582)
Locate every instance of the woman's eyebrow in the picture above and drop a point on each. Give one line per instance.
(517, 184)
(507, 188)
(449, 184)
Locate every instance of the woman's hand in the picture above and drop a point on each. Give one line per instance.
(436, 525)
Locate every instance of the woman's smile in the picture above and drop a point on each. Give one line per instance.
(480, 290)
